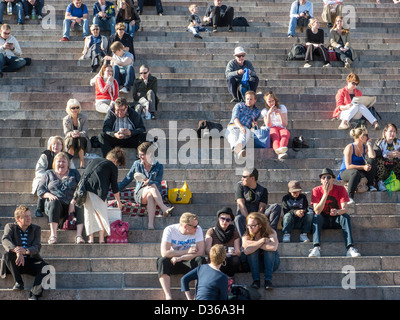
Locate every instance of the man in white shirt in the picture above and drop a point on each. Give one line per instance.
(299, 10)
(9, 51)
(122, 62)
(182, 249)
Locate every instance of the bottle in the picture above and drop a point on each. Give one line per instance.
(9, 8)
(33, 13)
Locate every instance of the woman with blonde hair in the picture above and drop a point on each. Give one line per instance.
(358, 162)
(276, 118)
(315, 44)
(57, 187)
(76, 128)
(260, 244)
(345, 108)
(340, 41)
(212, 284)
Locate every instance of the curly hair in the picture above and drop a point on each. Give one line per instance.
(262, 220)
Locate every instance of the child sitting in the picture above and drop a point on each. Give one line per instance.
(296, 213)
(195, 23)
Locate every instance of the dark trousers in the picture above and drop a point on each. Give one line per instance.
(273, 212)
(57, 212)
(159, 6)
(165, 266)
(32, 266)
(222, 20)
(233, 84)
(353, 176)
(107, 143)
(342, 56)
(95, 54)
(316, 51)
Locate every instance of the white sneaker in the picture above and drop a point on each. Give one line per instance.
(304, 238)
(315, 252)
(351, 201)
(372, 188)
(281, 150)
(381, 186)
(282, 156)
(326, 65)
(352, 252)
(286, 238)
(124, 90)
(307, 65)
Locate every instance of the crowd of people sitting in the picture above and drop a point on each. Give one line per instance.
(245, 241)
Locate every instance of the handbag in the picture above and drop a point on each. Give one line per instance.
(181, 195)
(70, 222)
(299, 142)
(261, 137)
(332, 55)
(119, 232)
(392, 183)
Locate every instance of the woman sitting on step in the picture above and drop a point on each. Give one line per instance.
(340, 41)
(76, 128)
(57, 187)
(387, 151)
(276, 118)
(346, 110)
(148, 173)
(355, 164)
(107, 89)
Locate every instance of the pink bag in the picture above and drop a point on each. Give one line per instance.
(119, 232)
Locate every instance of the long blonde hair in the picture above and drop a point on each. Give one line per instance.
(265, 228)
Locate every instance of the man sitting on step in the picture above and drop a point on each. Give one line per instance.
(252, 197)
(330, 212)
(75, 15)
(219, 15)
(95, 47)
(21, 241)
(10, 52)
(123, 127)
(182, 249)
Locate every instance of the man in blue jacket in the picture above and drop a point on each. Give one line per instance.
(123, 127)
(104, 15)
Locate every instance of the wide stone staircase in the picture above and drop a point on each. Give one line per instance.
(191, 88)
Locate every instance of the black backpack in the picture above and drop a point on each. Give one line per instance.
(297, 52)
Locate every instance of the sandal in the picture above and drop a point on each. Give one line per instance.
(52, 240)
(168, 212)
(79, 240)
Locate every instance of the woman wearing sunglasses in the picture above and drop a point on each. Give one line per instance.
(76, 128)
(260, 242)
(224, 233)
(358, 162)
(346, 110)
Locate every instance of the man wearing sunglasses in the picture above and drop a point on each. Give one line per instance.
(252, 197)
(330, 212)
(235, 71)
(182, 249)
(144, 91)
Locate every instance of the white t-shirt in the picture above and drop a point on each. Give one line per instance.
(181, 241)
(276, 120)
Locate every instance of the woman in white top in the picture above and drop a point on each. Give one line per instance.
(275, 117)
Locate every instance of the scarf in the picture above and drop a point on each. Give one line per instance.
(224, 236)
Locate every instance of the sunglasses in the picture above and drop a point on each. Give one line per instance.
(121, 29)
(354, 84)
(225, 219)
(194, 227)
(245, 177)
(240, 55)
(326, 177)
(143, 72)
(74, 108)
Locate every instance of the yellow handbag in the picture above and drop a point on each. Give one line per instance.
(180, 195)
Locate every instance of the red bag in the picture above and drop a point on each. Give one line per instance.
(70, 223)
(332, 55)
(119, 232)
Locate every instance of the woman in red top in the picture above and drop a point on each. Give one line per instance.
(346, 110)
(106, 89)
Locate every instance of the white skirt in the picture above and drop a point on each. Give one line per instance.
(93, 221)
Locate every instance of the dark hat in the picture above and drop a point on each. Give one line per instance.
(327, 171)
(226, 210)
(294, 186)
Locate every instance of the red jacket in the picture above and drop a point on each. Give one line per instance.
(103, 90)
(343, 98)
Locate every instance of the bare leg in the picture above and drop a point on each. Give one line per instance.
(165, 281)
(81, 155)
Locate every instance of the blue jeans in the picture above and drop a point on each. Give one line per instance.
(291, 221)
(108, 24)
(265, 260)
(125, 76)
(11, 64)
(335, 222)
(20, 11)
(67, 28)
(292, 26)
(131, 29)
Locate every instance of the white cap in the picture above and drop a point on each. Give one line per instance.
(239, 50)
